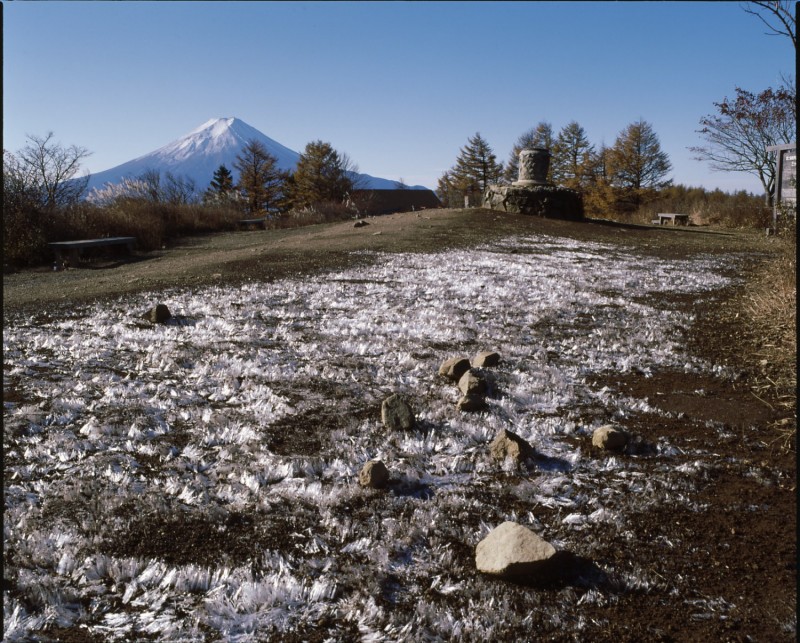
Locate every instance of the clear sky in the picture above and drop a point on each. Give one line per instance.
(398, 86)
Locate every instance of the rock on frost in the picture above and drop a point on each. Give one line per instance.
(513, 550)
(396, 414)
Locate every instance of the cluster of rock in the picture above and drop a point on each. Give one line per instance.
(511, 550)
(469, 379)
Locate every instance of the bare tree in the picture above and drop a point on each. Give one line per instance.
(51, 169)
(777, 15)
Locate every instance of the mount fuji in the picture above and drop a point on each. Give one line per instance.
(200, 152)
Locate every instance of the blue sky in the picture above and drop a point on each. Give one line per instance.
(398, 86)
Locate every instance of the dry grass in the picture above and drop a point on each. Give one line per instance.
(771, 308)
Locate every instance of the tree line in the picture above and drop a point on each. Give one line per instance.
(621, 178)
(617, 179)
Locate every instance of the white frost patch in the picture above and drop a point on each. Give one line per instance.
(260, 400)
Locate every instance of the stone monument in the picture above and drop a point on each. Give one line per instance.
(533, 167)
(533, 194)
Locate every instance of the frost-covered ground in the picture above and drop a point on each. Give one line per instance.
(199, 480)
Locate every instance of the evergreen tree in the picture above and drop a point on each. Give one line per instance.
(539, 136)
(260, 180)
(476, 167)
(221, 186)
(322, 175)
(571, 158)
(637, 165)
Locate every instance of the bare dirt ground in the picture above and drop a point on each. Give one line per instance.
(748, 557)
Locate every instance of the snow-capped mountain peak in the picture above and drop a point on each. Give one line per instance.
(198, 154)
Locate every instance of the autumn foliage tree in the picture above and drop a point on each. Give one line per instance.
(637, 166)
(571, 161)
(743, 127)
(323, 175)
(260, 179)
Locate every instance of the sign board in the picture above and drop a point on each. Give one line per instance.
(785, 173)
(787, 190)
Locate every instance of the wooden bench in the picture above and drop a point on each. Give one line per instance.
(73, 249)
(247, 223)
(677, 219)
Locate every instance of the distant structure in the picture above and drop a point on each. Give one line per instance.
(374, 202)
(532, 194)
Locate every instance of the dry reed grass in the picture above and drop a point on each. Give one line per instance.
(770, 305)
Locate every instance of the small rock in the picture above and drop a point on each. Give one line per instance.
(470, 403)
(508, 444)
(512, 550)
(485, 359)
(396, 414)
(454, 368)
(374, 474)
(157, 315)
(609, 438)
(472, 384)
(360, 224)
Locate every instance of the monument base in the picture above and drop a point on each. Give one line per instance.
(546, 201)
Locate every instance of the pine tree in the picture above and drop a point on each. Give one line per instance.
(540, 136)
(571, 156)
(221, 186)
(322, 175)
(476, 167)
(260, 179)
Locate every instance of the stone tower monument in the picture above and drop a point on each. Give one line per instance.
(532, 194)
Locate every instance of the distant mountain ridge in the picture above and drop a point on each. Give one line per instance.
(200, 152)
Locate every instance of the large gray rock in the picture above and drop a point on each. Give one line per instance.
(472, 384)
(508, 444)
(158, 314)
(454, 368)
(512, 551)
(396, 414)
(374, 474)
(609, 438)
